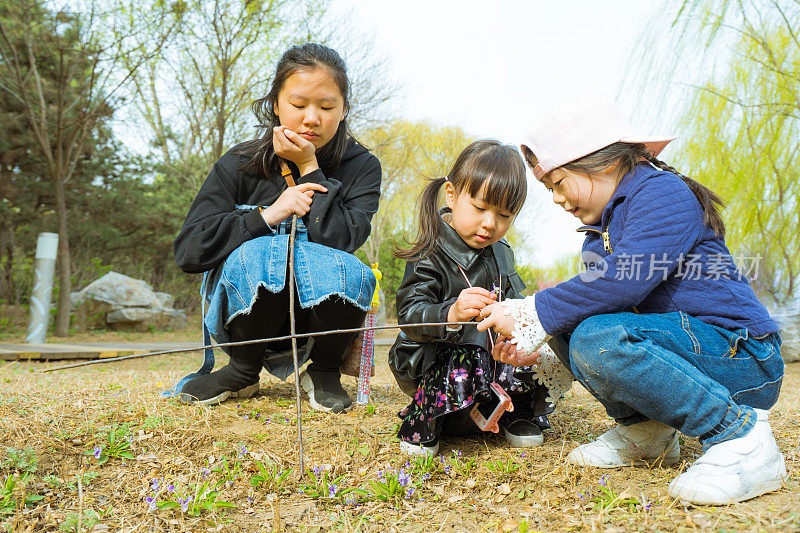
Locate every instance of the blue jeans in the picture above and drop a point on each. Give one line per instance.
(700, 379)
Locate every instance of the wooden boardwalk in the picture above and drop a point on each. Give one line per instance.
(83, 350)
(99, 350)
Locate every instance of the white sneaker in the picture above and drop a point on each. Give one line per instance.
(734, 470)
(409, 448)
(642, 443)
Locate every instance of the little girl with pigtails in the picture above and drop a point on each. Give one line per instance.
(457, 266)
(664, 330)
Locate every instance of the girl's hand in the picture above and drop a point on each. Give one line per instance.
(292, 147)
(469, 304)
(496, 316)
(506, 352)
(293, 201)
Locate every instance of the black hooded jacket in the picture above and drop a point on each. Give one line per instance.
(339, 218)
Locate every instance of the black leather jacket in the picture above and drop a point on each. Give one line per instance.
(431, 285)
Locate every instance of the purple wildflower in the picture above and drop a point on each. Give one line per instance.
(332, 490)
(403, 478)
(447, 468)
(242, 451)
(410, 492)
(317, 470)
(185, 503)
(205, 473)
(171, 487)
(647, 505)
(151, 503)
(603, 480)
(98, 451)
(155, 484)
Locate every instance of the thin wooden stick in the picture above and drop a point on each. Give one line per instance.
(254, 341)
(287, 175)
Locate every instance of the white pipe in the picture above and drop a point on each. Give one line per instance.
(43, 271)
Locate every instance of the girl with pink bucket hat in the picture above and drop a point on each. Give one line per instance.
(662, 328)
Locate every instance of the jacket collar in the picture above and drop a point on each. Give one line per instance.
(626, 185)
(454, 246)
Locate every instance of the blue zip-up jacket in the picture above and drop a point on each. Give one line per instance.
(653, 253)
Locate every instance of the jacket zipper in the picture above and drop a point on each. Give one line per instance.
(604, 235)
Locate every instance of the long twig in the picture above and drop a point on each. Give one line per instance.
(254, 341)
(294, 346)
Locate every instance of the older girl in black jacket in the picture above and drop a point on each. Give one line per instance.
(236, 229)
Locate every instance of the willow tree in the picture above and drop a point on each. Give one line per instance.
(735, 68)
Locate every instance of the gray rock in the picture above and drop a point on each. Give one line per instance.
(789, 321)
(120, 302)
(167, 300)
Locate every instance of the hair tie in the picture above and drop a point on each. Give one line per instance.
(446, 178)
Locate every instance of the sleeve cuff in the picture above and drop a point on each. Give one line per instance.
(255, 225)
(315, 176)
(528, 330)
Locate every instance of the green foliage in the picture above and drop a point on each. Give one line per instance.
(89, 519)
(324, 486)
(270, 477)
(741, 126)
(608, 500)
(502, 468)
(459, 466)
(116, 444)
(194, 500)
(12, 489)
(23, 461)
(392, 485)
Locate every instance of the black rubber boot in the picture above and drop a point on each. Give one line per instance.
(237, 379)
(325, 392)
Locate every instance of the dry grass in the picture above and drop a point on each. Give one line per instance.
(58, 420)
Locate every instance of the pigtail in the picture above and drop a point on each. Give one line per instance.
(710, 200)
(429, 220)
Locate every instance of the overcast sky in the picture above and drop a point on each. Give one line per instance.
(489, 66)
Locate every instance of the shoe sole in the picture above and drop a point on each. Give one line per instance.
(755, 493)
(520, 441)
(662, 460)
(308, 387)
(418, 449)
(246, 392)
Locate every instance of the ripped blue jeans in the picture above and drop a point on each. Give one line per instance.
(702, 380)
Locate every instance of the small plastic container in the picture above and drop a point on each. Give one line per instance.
(504, 404)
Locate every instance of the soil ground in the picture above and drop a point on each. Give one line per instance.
(87, 447)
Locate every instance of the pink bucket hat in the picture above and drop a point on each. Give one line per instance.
(577, 127)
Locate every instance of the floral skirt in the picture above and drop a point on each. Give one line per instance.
(460, 377)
